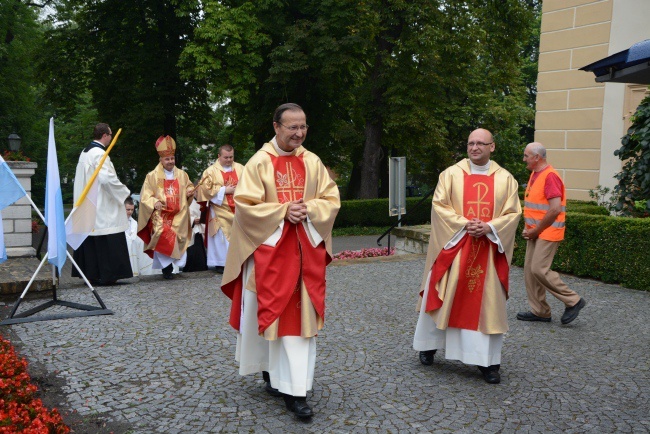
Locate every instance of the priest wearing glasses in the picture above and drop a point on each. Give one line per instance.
(281, 242)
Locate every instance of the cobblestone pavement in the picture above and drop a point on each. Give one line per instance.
(164, 362)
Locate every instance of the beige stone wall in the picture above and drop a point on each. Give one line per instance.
(578, 120)
(570, 102)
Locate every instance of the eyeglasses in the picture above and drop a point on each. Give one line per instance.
(295, 128)
(480, 144)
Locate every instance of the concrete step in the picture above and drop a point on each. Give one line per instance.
(15, 274)
(411, 239)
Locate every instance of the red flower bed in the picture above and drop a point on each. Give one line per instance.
(20, 411)
(363, 253)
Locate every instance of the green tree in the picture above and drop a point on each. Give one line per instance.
(258, 55)
(634, 178)
(376, 78)
(124, 55)
(20, 37)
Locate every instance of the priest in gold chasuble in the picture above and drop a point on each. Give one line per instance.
(164, 222)
(280, 244)
(215, 191)
(462, 304)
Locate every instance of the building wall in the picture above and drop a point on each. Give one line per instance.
(578, 120)
(629, 26)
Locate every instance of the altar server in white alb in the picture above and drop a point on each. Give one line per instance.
(216, 190)
(141, 263)
(104, 255)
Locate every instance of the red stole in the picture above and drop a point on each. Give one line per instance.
(230, 180)
(478, 202)
(280, 270)
(167, 239)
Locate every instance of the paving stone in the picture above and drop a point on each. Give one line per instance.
(164, 361)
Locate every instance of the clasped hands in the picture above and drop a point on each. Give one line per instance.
(189, 193)
(477, 228)
(296, 211)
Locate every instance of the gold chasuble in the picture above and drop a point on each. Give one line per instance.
(288, 277)
(169, 230)
(215, 177)
(468, 284)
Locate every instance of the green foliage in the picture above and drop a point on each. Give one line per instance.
(601, 247)
(20, 38)
(374, 212)
(602, 197)
(125, 56)
(586, 207)
(376, 78)
(358, 230)
(634, 178)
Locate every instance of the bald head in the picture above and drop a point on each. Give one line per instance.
(484, 133)
(480, 146)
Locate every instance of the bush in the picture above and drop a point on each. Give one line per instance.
(596, 245)
(601, 247)
(374, 212)
(586, 207)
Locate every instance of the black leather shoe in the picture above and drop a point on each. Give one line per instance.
(272, 390)
(267, 387)
(218, 269)
(299, 406)
(491, 374)
(426, 357)
(168, 272)
(529, 316)
(571, 313)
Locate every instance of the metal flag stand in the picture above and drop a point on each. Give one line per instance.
(85, 310)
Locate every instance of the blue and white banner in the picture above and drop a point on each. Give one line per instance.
(11, 192)
(56, 244)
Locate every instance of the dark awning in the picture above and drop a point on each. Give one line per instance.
(629, 66)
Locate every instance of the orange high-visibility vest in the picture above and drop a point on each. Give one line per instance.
(536, 206)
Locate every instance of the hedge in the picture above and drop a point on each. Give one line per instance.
(374, 212)
(610, 249)
(584, 207)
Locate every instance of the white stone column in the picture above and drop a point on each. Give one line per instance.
(17, 218)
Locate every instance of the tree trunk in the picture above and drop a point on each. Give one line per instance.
(373, 153)
(370, 164)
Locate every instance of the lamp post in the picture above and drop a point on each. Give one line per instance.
(14, 142)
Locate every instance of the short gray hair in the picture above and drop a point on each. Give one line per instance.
(537, 148)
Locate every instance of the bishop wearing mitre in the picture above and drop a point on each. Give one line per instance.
(164, 222)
